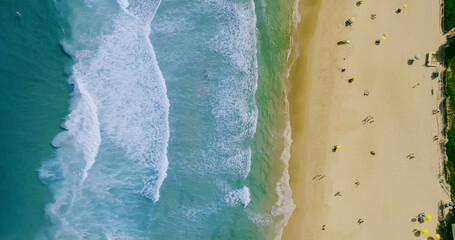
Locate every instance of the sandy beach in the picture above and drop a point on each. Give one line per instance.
(387, 110)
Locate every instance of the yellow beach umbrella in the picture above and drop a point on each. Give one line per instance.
(362, 0)
(337, 146)
(404, 6)
(352, 19)
(423, 231)
(437, 236)
(427, 217)
(383, 38)
(354, 78)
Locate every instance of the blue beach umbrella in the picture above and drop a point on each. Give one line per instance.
(420, 217)
(417, 57)
(451, 204)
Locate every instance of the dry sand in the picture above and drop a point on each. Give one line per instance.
(327, 110)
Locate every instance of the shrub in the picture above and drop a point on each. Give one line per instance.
(449, 15)
(450, 145)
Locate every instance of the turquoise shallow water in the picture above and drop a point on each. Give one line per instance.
(176, 128)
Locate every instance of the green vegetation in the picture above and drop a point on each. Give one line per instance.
(450, 146)
(449, 15)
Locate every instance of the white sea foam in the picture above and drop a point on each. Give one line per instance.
(260, 218)
(82, 134)
(284, 205)
(129, 90)
(119, 97)
(123, 3)
(236, 40)
(234, 109)
(238, 197)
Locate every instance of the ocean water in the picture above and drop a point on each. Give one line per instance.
(34, 97)
(177, 123)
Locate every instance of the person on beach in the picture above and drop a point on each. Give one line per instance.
(335, 148)
(323, 227)
(421, 217)
(337, 194)
(383, 37)
(342, 42)
(343, 70)
(373, 16)
(356, 183)
(372, 153)
(366, 93)
(399, 9)
(411, 156)
(360, 221)
(368, 119)
(349, 22)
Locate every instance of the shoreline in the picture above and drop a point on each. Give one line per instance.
(309, 11)
(326, 110)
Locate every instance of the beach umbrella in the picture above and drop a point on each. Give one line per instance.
(423, 231)
(451, 204)
(352, 19)
(417, 57)
(427, 217)
(383, 38)
(437, 236)
(337, 147)
(420, 217)
(404, 6)
(354, 78)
